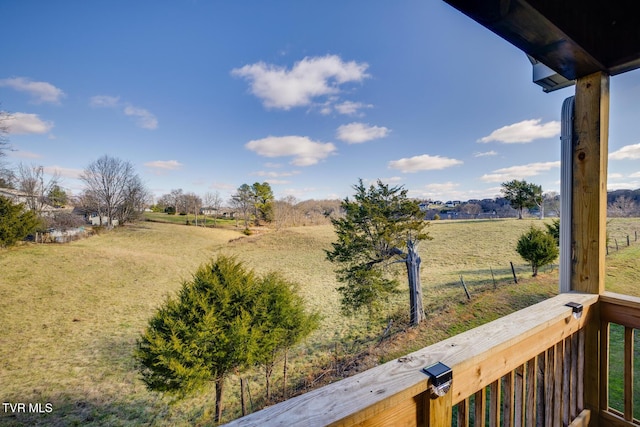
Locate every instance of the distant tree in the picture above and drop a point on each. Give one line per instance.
(381, 225)
(108, 179)
(522, 194)
(31, 181)
(57, 196)
(554, 230)
(213, 201)
(551, 201)
(16, 222)
(136, 200)
(538, 248)
(6, 175)
(263, 202)
(244, 201)
(470, 208)
(622, 206)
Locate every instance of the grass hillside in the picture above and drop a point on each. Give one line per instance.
(71, 313)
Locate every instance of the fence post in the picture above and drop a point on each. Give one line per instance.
(513, 270)
(493, 278)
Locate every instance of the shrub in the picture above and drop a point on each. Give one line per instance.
(538, 248)
(16, 223)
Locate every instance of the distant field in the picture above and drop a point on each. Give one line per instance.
(71, 313)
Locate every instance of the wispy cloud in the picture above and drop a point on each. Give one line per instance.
(308, 79)
(304, 151)
(485, 154)
(65, 172)
(143, 117)
(523, 132)
(422, 163)
(355, 133)
(167, 165)
(104, 101)
(24, 154)
(627, 152)
(274, 174)
(350, 108)
(25, 124)
(519, 172)
(40, 92)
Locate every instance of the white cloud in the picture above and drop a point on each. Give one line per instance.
(350, 108)
(485, 154)
(279, 87)
(615, 176)
(626, 152)
(635, 175)
(423, 162)
(524, 131)
(144, 118)
(41, 92)
(355, 133)
(164, 165)
(304, 151)
(25, 124)
(519, 172)
(104, 101)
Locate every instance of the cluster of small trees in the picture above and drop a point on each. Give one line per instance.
(226, 319)
(255, 201)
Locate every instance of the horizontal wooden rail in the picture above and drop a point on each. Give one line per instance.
(395, 393)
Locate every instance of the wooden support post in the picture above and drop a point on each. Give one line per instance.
(589, 215)
(589, 212)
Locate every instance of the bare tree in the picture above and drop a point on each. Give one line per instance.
(6, 175)
(136, 199)
(213, 201)
(31, 182)
(108, 179)
(622, 206)
(243, 201)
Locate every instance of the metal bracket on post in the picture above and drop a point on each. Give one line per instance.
(441, 378)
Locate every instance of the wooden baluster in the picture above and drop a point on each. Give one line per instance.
(494, 404)
(628, 373)
(480, 407)
(530, 409)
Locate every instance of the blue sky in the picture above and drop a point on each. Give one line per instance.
(308, 96)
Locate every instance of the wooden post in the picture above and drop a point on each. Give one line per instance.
(589, 215)
(589, 212)
(438, 411)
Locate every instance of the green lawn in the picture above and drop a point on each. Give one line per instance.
(71, 313)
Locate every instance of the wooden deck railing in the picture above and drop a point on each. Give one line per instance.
(523, 369)
(619, 317)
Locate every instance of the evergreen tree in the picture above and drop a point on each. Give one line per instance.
(522, 194)
(226, 319)
(16, 222)
(203, 334)
(379, 225)
(538, 248)
(282, 321)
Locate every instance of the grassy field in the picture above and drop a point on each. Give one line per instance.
(71, 313)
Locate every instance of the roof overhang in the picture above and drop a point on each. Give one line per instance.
(574, 38)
